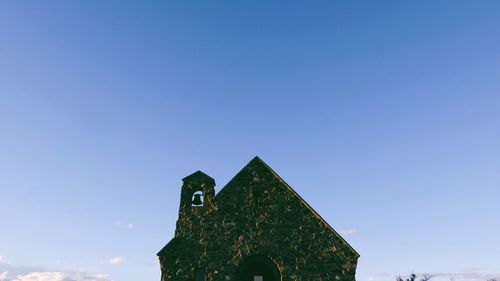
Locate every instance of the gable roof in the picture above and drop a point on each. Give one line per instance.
(178, 246)
(257, 162)
(199, 175)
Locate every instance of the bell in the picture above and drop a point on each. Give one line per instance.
(197, 200)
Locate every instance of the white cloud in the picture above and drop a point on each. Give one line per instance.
(115, 261)
(59, 276)
(3, 275)
(467, 275)
(123, 225)
(348, 232)
(101, 277)
(379, 276)
(470, 274)
(43, 276)
(10, 272)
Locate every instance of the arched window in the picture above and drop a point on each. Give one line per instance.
(258, 268)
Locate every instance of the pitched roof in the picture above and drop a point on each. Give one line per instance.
(257, 162)
(178, 246)
(199, 175)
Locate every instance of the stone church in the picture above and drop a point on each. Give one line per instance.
(257, 228)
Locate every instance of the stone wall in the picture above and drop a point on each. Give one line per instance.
(257, 213)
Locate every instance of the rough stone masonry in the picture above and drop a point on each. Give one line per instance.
(257, 228)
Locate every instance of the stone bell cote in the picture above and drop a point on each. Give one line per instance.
(196, 200)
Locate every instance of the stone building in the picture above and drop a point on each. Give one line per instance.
(257, 228)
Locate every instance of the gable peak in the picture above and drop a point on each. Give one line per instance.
(256, 161)
(199, 176)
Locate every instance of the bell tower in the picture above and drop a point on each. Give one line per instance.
(196, 200)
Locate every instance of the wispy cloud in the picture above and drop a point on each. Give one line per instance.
(54, 276)
(3, 275)
(381, 276)
(60, 276)
(42, 276)
(124, 225)
(9, 272)
(115, 261)
(348, 232)
(469, 274)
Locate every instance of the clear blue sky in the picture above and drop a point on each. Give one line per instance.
(383, 115)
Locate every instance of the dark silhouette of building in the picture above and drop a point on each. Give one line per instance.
(257, 228)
